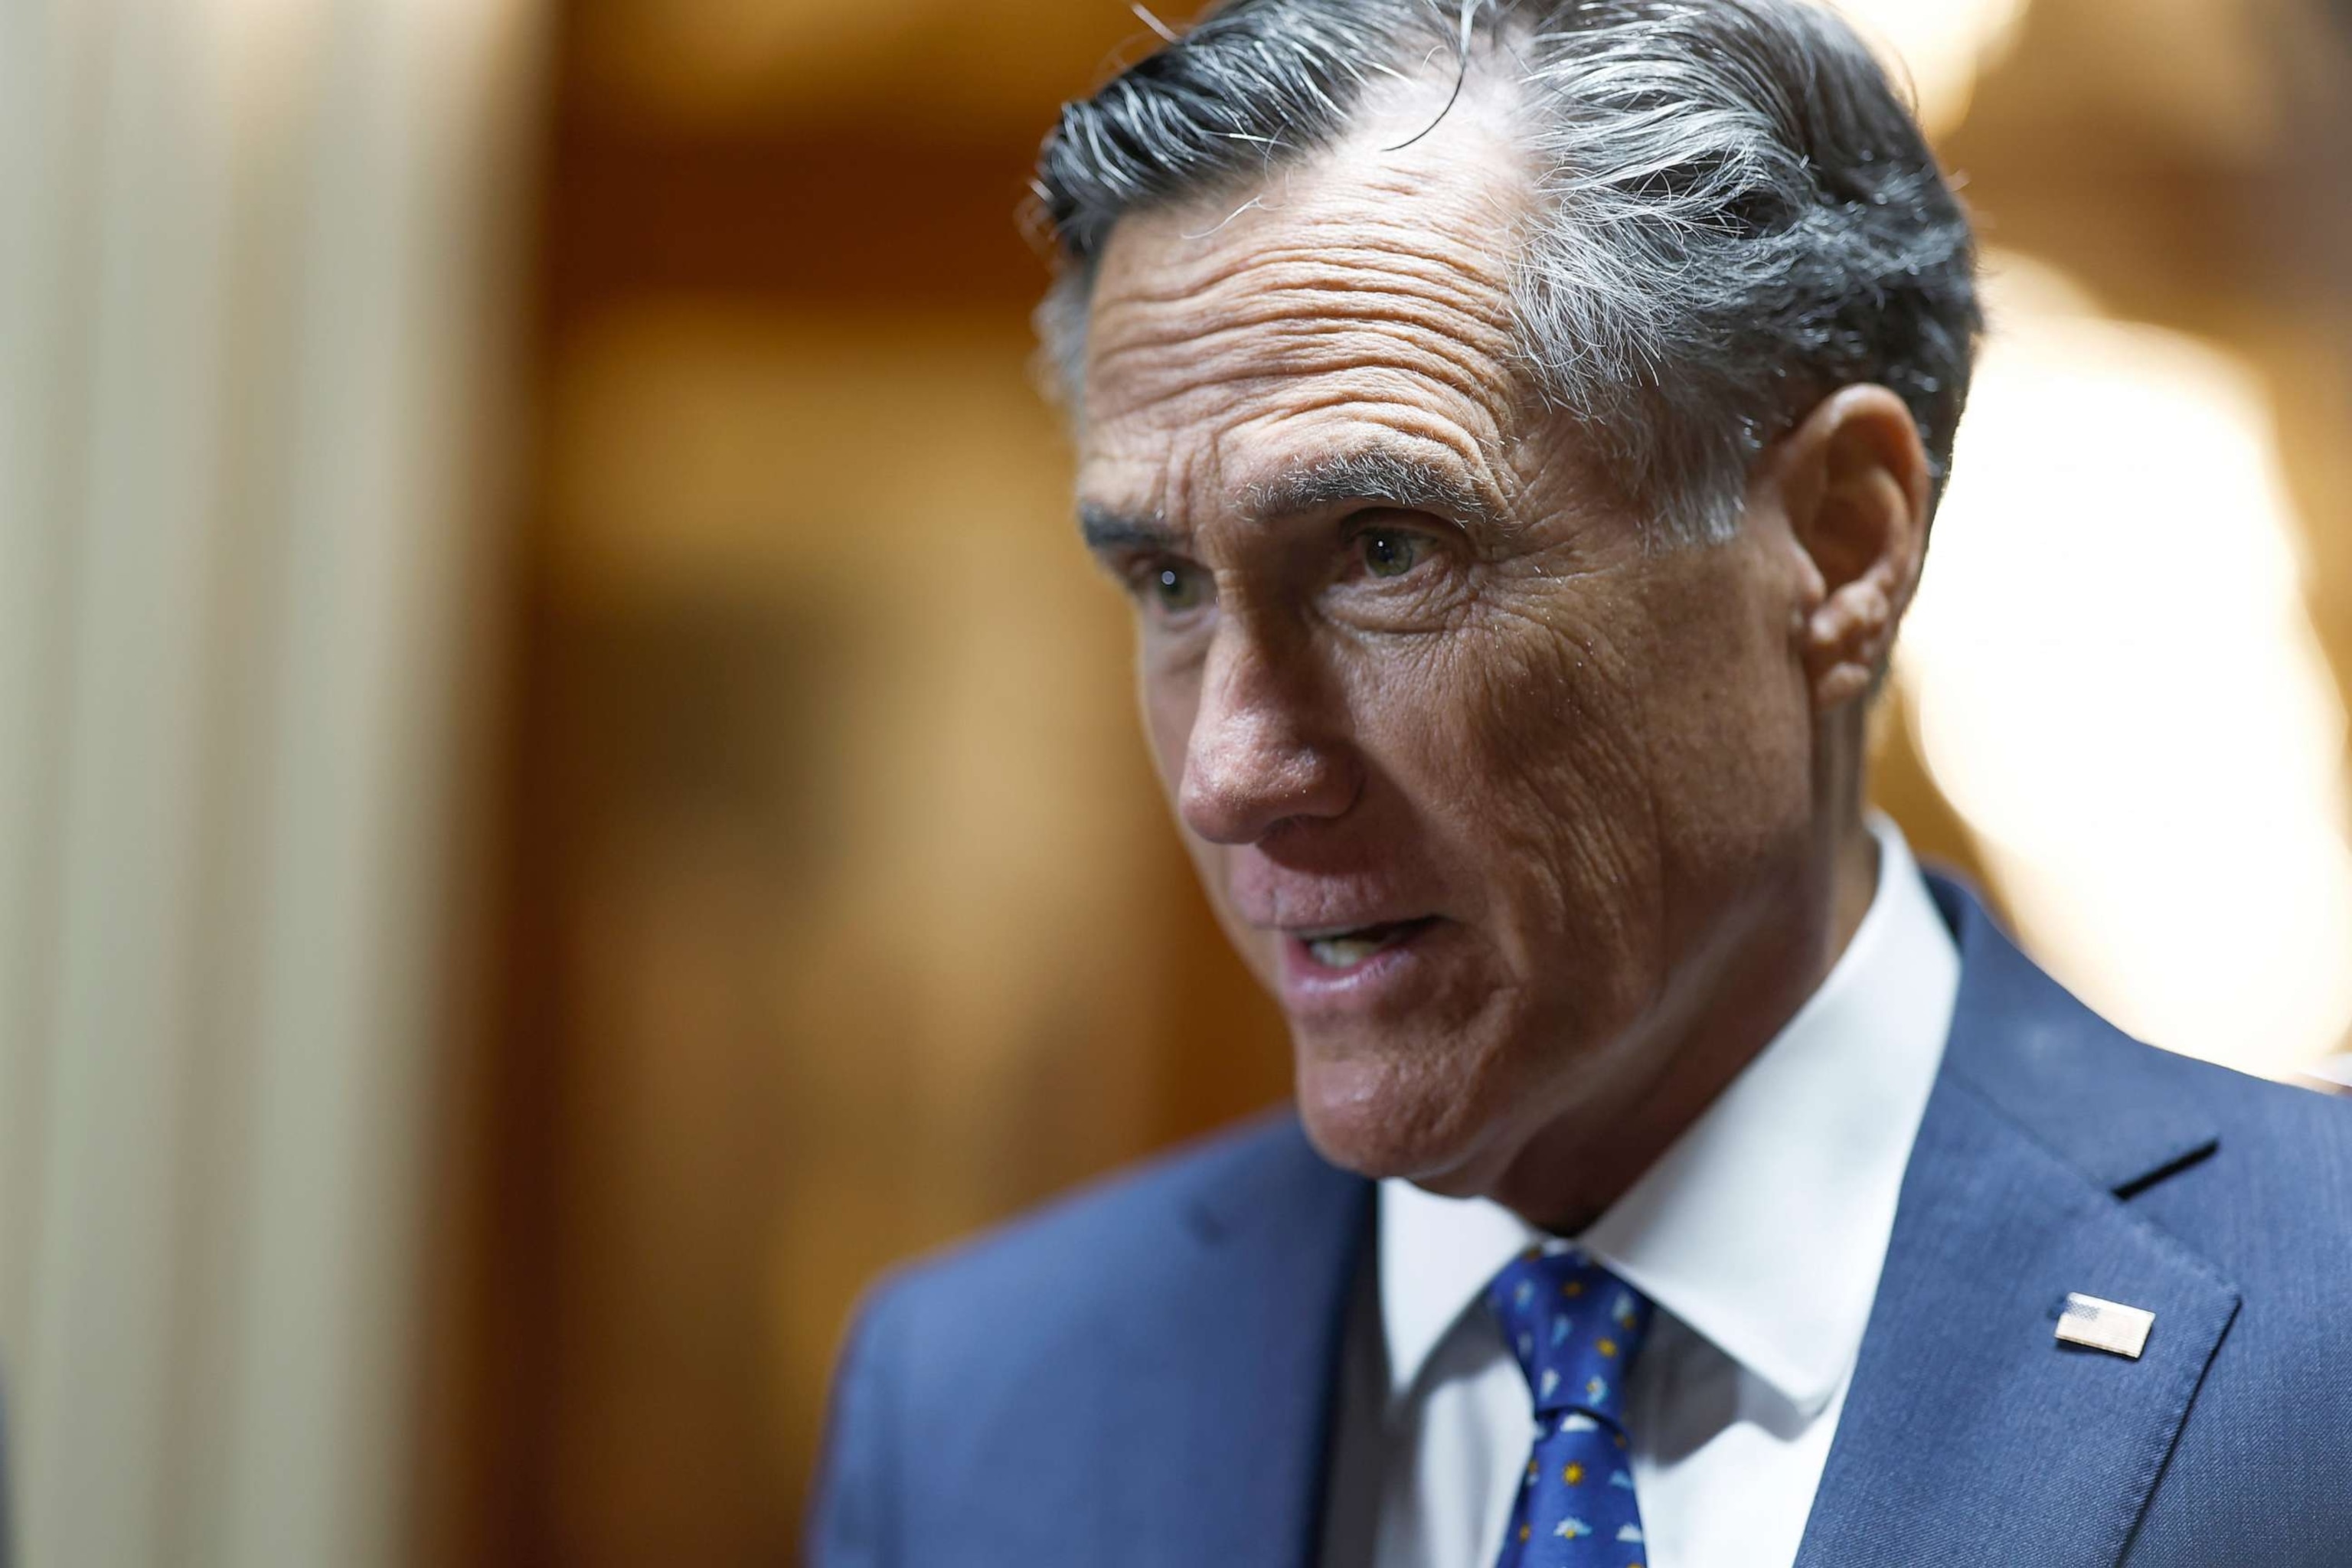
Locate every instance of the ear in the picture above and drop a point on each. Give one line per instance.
(1855, 487)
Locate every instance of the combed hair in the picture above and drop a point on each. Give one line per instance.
(1736, 213)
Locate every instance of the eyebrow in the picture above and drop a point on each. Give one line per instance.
(1104, 529)
(1376, 474)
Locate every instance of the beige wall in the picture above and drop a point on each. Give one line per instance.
(253, 264)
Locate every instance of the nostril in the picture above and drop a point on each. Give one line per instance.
(1202, 808)
(1243, 799)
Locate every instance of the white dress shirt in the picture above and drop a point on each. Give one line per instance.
(1759, 1234)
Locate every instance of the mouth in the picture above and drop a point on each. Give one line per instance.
(1340, 950)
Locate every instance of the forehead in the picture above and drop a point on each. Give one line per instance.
(1359, 298)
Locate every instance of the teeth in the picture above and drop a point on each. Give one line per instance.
(1347, 948)
(1345, 951)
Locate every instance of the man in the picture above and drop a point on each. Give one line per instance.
(1519, 430)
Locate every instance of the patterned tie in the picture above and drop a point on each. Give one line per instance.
(1576, 1328)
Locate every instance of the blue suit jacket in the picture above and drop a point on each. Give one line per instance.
(1144, 1374)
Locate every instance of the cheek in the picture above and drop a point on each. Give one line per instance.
(1729, 733)
(1734, 735)
(1565, 730)
(1519, 753)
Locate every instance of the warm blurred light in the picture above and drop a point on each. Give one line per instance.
(693, 50)
(2115, 681)
(704, 58)
(1942, 45)
(940, 63)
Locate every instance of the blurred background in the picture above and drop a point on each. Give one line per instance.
(567, 795)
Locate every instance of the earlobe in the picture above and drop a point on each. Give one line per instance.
(1846, 639)
(1857, 480)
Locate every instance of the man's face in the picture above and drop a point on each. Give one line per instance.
(1495, 793)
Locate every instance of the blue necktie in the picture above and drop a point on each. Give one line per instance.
(1576, 1328)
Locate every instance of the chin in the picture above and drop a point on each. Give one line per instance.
(1381, 1119)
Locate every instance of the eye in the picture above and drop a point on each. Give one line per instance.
(1390, 552)
(1174, 587)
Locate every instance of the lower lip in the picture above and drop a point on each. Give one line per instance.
(1308, 985)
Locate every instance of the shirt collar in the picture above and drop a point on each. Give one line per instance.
(1764, 1225)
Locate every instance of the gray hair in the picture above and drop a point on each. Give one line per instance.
(1735, 214)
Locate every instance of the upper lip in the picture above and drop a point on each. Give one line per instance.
(1326, 933)
(1334, 900)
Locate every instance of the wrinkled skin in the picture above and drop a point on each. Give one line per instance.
(1616, 783)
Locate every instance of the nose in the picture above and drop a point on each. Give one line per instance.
(1262, 752)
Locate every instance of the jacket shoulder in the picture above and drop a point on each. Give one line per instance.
(995, 1352)
(2258, 1120)
(2164, 1129)
(2256, 1472)
(1039, 1275)
(2275, 1192)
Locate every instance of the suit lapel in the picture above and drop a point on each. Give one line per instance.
(1970, 1434)
(1237, 1386)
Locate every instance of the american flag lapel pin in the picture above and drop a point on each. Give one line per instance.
(2105, 1325)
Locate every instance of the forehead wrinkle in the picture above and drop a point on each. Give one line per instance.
(1278, 316)
(1410, 387)
(1332, 350)
(1390, 255)
(1454, 300)
(1257, 344)
(1248, 355)
(1233, 340)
